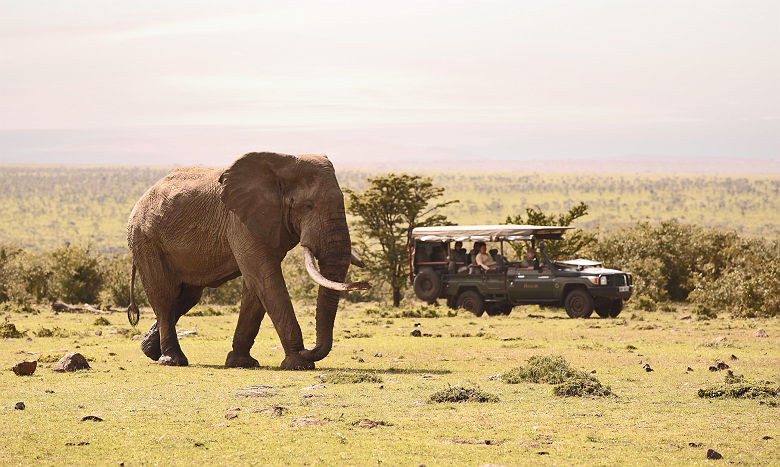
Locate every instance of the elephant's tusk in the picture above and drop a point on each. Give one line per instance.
(315, 274)
(356, 261)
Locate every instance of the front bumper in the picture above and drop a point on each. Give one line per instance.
(612, 292)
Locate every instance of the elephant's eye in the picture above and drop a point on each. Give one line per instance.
(308, 205)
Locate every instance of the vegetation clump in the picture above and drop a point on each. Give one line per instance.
(548, 369)
(54, 332)
(9, 307)
(463, 394)
(207, 310)
(737, 387)
(645, 303)
(8, 330)
(704, 312)
(101, 321)
(554, 369)
(351, 377)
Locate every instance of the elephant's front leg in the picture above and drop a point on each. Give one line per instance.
(249, 319)
(272, 291)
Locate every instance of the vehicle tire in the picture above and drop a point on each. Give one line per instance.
(579, 304)
(451, 303)
(427, 286)
(615, 308)
(471, 301)
(603, 306)
(506, 309)
(493, 309)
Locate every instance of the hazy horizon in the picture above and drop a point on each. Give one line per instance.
(372, 84)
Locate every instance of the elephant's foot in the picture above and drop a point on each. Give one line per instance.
(150, 345)
(296, 362)
(175, 359)
(235, 360)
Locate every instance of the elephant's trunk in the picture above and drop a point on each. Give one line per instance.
(335, 256)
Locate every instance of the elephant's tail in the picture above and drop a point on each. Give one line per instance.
(133, 313)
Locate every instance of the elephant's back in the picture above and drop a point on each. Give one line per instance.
(185, 195)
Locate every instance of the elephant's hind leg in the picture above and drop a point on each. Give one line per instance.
(189, 296)
(249, 319)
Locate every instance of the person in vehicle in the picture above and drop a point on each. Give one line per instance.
(458, 254)
(530, 261)
(484, 260)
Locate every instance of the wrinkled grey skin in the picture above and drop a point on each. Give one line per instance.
(200, 227)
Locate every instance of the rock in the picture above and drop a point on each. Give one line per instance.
(25, 368)
(760, 333)
(378, 354)
(91, 418)
(765, 438)
(186, 333)
(721, 366)
(713, 454)
(689, 369)
(647, 368)
(98, 332)
(733, 357)
(416, 333)
(493, 377)
(137, 337)
(719, 339)
(316, 386)
(71, 362)
(543, 453)
(685, 317)
(231, 415)
(694, 445)
(19, 406)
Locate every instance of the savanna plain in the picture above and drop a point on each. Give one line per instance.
(414, 385)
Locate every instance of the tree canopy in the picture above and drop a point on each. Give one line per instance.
(386, 212)
(575, 241)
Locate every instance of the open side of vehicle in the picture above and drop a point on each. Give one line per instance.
(437, 270)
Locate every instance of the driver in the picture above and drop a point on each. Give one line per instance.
(530, 261)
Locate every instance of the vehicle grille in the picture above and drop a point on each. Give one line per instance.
(616, 280)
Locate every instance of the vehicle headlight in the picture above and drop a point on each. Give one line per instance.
(593, 279)
(603, 280)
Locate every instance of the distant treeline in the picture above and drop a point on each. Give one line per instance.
(716, 270)
(44, 208)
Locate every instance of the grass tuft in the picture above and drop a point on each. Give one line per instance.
(8, 330)
(737, 387)
(582, 386)
(207, 310)
(549, 369)
(351, 377)
(55, 332)
(704, 313)
(101, 321)
(9, 307)
(463, 394)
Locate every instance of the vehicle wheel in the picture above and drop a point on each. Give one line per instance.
(506, 309)
(615, 308)
(471, 301)
(493, 309)
(451, 303)
(427, 286)
(603, 306)
(579, 304)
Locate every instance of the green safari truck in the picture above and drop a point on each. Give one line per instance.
(488, 283)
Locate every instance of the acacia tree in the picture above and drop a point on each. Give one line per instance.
(575, 241)
(387, 211)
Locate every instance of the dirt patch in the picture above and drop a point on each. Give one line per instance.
(351, 377)
(463, 394)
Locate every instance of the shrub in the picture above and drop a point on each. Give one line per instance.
(24, 277)
(549, 369)
(9, 307)
(201, 310)
(116, 271)
(703, 312)
(643, 302)
(463, 394)
(582, 386)
(8, 330)
(101, 321)
(228, 293)
(739, 390)
(76, 274)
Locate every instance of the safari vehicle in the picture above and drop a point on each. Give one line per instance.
(580, 286)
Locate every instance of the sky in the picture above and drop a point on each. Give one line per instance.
(184, 82)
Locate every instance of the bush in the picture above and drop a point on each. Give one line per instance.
(24, 277)
(9, 307)
(76, 274)
(645, 303)
(201, 310)
(116, 271)
(462, 394)
(228, 293)
(101, 321)
(703, 312)
(582, 386)
(8, 330)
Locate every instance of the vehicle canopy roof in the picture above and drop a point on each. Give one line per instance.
(488, 233)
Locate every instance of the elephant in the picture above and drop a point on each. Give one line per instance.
(200, 227)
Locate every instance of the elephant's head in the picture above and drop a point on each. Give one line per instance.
(281, 197)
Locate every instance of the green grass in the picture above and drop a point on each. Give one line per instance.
(163, 415)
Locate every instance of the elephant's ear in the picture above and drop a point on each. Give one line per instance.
(253, 191)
